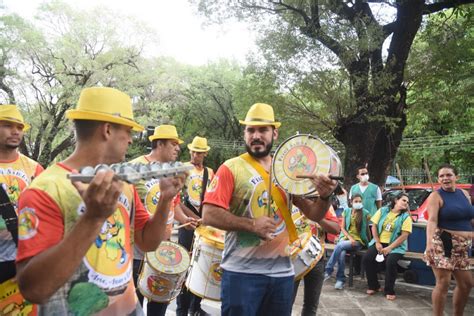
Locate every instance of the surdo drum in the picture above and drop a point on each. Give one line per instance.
(204, 277)
(307, 250)
(163, 272)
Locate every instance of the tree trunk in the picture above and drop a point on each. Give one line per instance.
(359, 142)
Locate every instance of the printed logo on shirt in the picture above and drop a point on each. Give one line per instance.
(195, 189)
(213, 185)
(152, 195)
(109, 257)
(28, 223)
(259, 205)
(13, 182)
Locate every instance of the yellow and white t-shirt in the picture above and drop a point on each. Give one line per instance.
(102, 284)
(15, 176)
(193, 185)
(239, 188)
(389, 225)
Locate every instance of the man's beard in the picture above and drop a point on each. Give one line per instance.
(259, 154)
(8, 146)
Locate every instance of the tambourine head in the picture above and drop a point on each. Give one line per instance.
(302, 155)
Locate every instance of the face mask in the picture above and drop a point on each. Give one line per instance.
(364, 178)
(357, 206)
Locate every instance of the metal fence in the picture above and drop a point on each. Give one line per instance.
(418, 175)
(409, 176)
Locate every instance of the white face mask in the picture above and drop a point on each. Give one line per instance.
(364, 178)
(357, 206)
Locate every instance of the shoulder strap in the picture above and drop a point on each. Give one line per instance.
(275, 195)
(205, 177)
(7, 211)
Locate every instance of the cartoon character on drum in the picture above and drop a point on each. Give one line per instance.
(205, 274)
(159, 286)
(299, 163)
(164, 272)
(216, 272)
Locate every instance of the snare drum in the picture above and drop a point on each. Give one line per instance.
(303, 154)
(204, 277)
(163, 272)
(307, 250)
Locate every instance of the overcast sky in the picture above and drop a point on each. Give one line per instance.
(180, 29)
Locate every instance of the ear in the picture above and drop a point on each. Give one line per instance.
(106, 130)
(275, 134)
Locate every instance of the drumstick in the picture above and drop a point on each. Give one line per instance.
(299, 218)
(270, 174)
(308, 176)
(187, 224)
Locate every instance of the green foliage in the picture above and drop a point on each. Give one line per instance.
(61, 52)
(441, 92)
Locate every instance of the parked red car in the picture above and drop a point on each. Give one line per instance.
(418, 194)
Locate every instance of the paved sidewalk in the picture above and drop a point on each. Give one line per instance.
(411, 300)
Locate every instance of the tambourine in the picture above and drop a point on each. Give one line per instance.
(133, 172)
(299, 157)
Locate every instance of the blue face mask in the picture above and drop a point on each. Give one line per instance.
(357, 206)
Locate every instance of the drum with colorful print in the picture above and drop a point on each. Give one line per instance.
(204, 277)
(164, 272)
(307, 250)
(303, 155)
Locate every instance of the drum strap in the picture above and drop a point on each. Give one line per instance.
(7, 211)
(205, 177)
(276, 196)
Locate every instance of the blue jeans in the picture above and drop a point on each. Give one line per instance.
(255, 294)
(339, 256)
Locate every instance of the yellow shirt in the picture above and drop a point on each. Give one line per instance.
(353, 230)
(389, 225)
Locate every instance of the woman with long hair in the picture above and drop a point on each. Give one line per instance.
(353, 237)
(449, 236)
(392, 225)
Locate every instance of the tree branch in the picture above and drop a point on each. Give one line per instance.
(439, 6)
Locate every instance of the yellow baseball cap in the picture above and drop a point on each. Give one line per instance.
(199, 145)
(106, 105)
(11, 113)
(260, 114)
(165, 132)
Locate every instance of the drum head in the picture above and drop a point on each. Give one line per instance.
(211, 235)
(169, 258)
(303, 154)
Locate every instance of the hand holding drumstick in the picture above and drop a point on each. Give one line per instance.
(324, 184)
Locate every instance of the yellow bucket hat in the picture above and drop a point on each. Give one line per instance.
(260, 114)
(11, 113)
(106, 105)
(199, 145)
(165, 132)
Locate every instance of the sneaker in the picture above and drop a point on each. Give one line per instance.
(339, 285)
(326, 276)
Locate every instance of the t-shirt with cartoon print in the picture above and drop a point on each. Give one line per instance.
(102, 284)
(239, 188)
